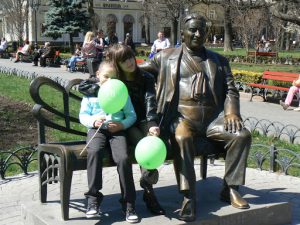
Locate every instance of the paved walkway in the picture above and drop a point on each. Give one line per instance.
(14, 191)
(23, 190)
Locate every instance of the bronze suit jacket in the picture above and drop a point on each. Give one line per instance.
(165, 67)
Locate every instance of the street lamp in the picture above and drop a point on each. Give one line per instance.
(35, 4)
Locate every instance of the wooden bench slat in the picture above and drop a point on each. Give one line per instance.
(269, 87)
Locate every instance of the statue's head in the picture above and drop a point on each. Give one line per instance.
(194, 31)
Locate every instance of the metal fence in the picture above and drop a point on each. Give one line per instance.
(267, 157)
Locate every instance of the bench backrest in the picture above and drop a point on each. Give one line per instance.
(55, 115)
(254, 53)
(280, 76)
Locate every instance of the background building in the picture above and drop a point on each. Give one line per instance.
(120, 17)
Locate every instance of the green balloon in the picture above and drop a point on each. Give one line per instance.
(150, 152)
(112, 96)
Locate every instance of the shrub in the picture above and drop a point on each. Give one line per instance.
(244, 76)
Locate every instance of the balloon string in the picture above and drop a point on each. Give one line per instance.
(83, 150)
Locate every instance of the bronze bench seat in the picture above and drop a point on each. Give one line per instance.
(57, 161)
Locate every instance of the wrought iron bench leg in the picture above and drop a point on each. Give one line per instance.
(42, 177)
(65, 190)
(203, 167)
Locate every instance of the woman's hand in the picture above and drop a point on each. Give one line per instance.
(154, 131)
(114, 127)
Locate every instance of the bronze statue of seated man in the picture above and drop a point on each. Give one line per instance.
(195, 89)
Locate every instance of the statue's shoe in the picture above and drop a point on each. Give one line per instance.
(187, 212)
(233, 197)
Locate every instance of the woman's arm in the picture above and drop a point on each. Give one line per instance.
(130, 115)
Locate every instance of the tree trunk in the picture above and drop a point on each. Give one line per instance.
(91, 12)
(227, 30)
(71, 43)
(287, 41)
(147, 29)
(174, 31)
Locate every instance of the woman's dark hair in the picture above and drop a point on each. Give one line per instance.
(119, 53)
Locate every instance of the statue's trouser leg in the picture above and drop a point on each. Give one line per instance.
(236, 145)
(184, 158)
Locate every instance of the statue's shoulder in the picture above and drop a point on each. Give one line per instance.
(146, 75)
(215, 56)
(170, 52)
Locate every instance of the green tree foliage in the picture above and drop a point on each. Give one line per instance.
(66, 17)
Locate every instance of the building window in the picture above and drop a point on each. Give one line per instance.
(212, 14)
(128, 21)
(111, 21)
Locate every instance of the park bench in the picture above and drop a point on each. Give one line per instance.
(81, 65)
(58, 160)
(265, 87)
(54, 60)
(255, 54)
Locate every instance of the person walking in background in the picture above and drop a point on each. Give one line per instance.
(89, 51)
(289, 98)
(160, 43)
(129, 42)
(112, 130)
(3, 45)
(24, 51)
(101, 45)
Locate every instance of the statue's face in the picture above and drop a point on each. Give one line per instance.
(194, 34)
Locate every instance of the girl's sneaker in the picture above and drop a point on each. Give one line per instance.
(131, 216)
(92, 210)
(297, 109)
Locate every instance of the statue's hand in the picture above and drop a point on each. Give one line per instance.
(233, 123)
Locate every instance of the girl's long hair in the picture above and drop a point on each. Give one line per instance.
(119, 53)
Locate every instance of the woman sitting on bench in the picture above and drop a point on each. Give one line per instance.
(289, 98)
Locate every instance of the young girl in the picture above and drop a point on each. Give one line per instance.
(112, 130)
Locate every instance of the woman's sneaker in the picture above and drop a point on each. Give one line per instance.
(284, 106)
(92, 210)
(131, 216)
(297, 109)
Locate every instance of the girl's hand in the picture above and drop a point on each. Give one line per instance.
(154, 131)
(98, 123)
(115, 127)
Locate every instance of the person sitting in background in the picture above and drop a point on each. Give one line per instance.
(268, 47)
(160, 43)
(3, 45)
(129, 42)
(24, 51)
(48, 52)
(77, 56)
(260, 47)
(112, 131)
(289, 98)
(38, 52)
